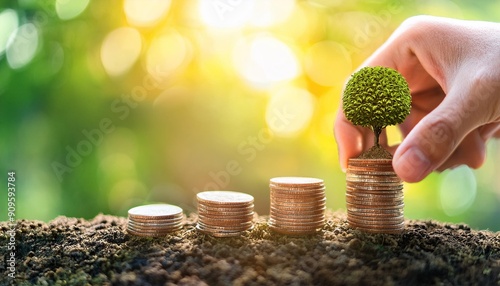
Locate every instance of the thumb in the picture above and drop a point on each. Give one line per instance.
(437, 135)
(425, 148)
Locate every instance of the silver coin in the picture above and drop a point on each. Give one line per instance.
(295, 228)
(377, 220)
(220, 233)
(374, 203)
(377, 227)
(224, 221)
(384, 231)
(295, 222)
(154, 224)
(146, 231)
(301, 192)
(303, 199)
(363, 188)
(240, 227)
(224, 215)
(298, 210)
(296, 202)
(378, 195)
(293, 232)
(297, 189)
(296, 181)
(155, 211)
(373, 180)
(354, 207)
(242, 209)
(224, 198)
(298, 221)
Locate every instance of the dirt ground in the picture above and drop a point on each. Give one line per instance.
(70, 251)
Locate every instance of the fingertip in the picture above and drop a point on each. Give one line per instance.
(412, 165)
(427, 146)
(477, 161)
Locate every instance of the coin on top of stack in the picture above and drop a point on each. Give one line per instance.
(374, 196)
(297, 205)
(154, 220)
(224, 213)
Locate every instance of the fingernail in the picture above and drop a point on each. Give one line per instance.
(413, 165)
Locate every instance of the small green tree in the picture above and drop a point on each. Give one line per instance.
(376, 97)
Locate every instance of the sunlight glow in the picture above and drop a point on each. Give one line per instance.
(264, 59)
(144, 13)
(120, 50)
(289, 111)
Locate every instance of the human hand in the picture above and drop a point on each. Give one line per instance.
(453, 71)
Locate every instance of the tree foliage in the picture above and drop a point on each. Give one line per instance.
(376, 97)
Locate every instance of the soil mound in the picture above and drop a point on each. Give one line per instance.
(376, 152)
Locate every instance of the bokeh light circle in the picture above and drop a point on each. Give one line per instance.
(8, 24)
(225, 14)
(56, 57)
(167, 53)
(457, 191)
(22, 46)
(144, 13)
(120, 50)
(264, 59)
(289, 111)
(67, 10)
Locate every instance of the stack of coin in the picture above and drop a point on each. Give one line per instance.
(154, 220)
(224, 213)
(374, 196)
(297, 205)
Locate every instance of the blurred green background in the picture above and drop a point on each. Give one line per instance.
(106, 105)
